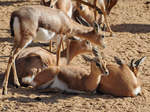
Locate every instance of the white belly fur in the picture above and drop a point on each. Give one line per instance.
(43, 35)
(58, 84)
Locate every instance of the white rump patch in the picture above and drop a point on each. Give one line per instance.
(28, 79)
(137, 90)
(16, 27)
(58, 84)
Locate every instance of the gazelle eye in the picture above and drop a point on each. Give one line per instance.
(81, 7)
(102, 36)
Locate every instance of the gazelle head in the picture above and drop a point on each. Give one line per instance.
(134, 65)
(100, 37)
(129, 79)
(100, 65)
(87, 13)
(122, 79)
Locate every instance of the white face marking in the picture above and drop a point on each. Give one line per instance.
(16, 27)
(28, 79)
(136, 91)
(44, 35)
(58, 84)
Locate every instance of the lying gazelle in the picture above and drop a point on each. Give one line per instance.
(122, 80)
(64, 5)
(72, 79)
(32, 60)
(105, 7)
(25, 23)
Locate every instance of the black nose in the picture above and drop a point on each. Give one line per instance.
(106, 72)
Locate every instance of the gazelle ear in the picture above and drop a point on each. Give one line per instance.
(87, 58)
(118, 61)
(138, 62)
(96, 27)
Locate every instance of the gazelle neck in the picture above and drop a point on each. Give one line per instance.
(93, 79)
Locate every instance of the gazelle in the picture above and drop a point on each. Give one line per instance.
(71, 78)
(27, 20)
(122, 80)
(64, 5)
(32, 60)
(100, 5)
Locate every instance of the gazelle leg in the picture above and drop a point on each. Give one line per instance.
(63, 47)
(58, 51)
(16, 81)
(105, 18)
(50, 45)
(12, 58)
(95, 9)
(68, 49)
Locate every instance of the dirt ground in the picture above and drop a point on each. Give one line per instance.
(130, 20)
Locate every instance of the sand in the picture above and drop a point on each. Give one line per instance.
(130, 20)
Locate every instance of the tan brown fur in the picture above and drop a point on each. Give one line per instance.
(76, 78)
(122, 81)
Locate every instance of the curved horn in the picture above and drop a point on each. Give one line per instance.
(132, 63)
(138, 62)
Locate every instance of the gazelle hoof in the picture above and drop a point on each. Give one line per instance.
(17, 84)
(4, 91)
(112, 35)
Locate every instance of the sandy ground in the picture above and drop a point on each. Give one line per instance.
(130, 20)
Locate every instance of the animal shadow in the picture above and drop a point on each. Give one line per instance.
(132, 28)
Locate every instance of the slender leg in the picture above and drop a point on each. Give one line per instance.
(16, 81)
(63, 47)
(50, 46)
(95, 9)
(68, 49)
(11, 61)
(58, 51)
(107, 24)
(7, 73)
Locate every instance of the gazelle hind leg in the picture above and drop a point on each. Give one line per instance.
(11, 61)
(58, 51)
(50, 45)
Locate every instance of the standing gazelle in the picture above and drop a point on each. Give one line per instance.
(71, 78)
(25, 23)
(122, 80)
(64, 5)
